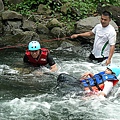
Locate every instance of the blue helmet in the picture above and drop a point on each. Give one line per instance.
(34, 45)
(115, 69)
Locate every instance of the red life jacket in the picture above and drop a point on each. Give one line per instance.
(42, 60)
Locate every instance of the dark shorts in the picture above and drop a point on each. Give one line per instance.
(92, 57)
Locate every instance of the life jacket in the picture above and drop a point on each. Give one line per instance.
(96, 82)
(42, 60)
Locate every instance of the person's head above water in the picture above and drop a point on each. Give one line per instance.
(34, 48)
(34, 45)
(112, 69)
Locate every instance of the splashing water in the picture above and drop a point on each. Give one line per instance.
(27, 95)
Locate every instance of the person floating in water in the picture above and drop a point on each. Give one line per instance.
(37, 56)
(101, 83)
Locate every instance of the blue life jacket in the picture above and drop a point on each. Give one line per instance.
(98, 79)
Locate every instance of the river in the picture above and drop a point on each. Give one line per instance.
(26, 94)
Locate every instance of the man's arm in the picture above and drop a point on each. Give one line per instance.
(86, 34)
(53, 66)
(86, 75)
(112, 48)
(25, 59)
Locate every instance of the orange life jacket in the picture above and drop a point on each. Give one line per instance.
(96, 82)
(101, 86)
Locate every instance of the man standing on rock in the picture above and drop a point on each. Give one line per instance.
(105, 39)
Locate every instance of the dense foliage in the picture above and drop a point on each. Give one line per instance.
(76, 9)
(82, 8)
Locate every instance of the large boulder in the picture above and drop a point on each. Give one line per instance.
(29, 25)
(9, 26)
(1, 6)
(19, 37)
(54, 23)
(11, 15)
(42, 29)
(1, 25)
(88, 24)
(57, 32)
(11, 20)
(43, 10)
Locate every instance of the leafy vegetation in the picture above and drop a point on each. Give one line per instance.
(76, 9)
(83, 8)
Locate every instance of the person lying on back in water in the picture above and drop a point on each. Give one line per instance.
(101, 83)
(37, 56)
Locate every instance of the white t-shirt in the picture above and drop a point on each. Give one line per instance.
(102, 36)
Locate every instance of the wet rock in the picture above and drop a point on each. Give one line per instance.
(42, 29)
(66, 45)
(20, 38)
(29, 25)
(29, 36)
(17, 31)
(57, 32)
(1, 27)
(42, 9)
(9, 26)
(11, 15)
(54, 23)
(1, 6)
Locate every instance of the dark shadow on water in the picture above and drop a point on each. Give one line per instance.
(19, 86)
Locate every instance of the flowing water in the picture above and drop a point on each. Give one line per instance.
(31, 94)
